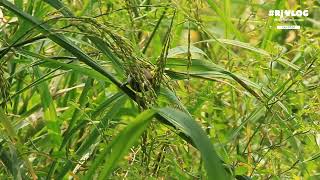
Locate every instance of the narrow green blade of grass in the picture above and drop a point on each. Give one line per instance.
(97, 41)
(83, 100)
(50, 63)
(120, 146)
(66, 44)
(254, 116)
(49, 109)
(95, 134)
(203, 66)
(145, 48)
(23, 24)
(59, 6)
(270, 27)
(11, 162)
(173, 98)
(16, 140)
(227, 9)
(72, 78)
(253, 49)
(38, 81)
(190, 128)
(225, 19)
(102, 46)
(184, 50)
(242, 45)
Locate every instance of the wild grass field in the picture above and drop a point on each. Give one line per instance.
(159, 89)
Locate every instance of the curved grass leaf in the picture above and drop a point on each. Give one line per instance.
(183, 50)
(97, 41)
(173, 98)
(50, 63)
(95, 134)
(205, 66)
(67, 45)
(253, 49)
(120, 146)
(59, 6)
(189, 127)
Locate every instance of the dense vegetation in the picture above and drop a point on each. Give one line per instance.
(150, 89)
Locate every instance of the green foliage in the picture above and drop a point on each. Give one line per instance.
(229, 97)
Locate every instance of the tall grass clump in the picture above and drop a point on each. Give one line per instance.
(158, 90)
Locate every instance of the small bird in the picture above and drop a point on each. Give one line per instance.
(140, 86)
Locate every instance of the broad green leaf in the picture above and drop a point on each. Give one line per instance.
(190, 128)
(120, 145)
(173, 98)
(59, 6)
(204, 66)
(183, 50)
